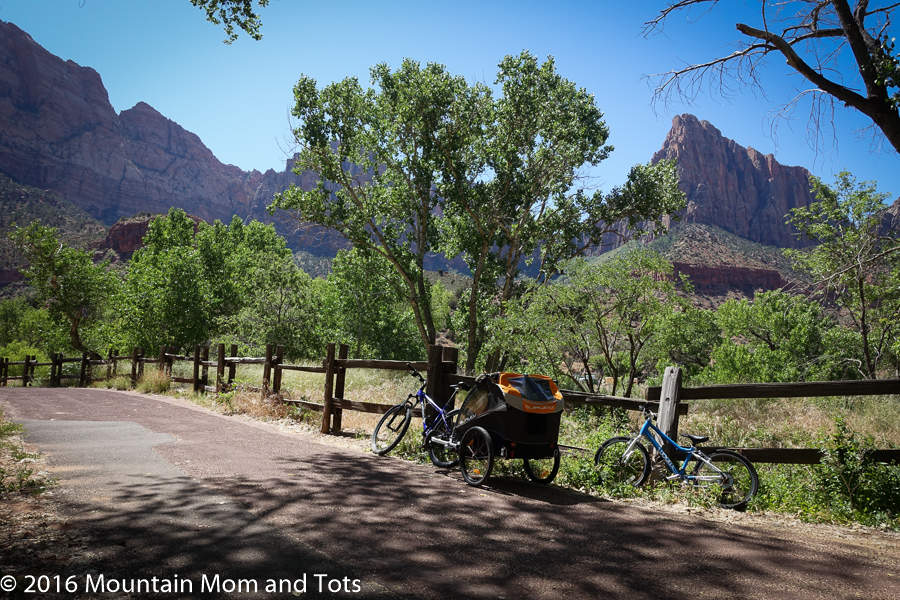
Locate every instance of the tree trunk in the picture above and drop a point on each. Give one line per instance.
(473, 343)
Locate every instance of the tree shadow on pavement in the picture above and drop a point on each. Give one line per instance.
(405, 530)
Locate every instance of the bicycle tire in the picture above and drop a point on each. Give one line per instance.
(476, 455)
(391, 429)
(614, 468)
(441, 455)
(743, 481)
(537, 471)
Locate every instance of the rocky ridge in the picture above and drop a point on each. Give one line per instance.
(58, 132)
(738, 189)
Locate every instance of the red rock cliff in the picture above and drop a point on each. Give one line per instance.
(732, 187)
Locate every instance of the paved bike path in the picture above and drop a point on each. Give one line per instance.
(164, 487)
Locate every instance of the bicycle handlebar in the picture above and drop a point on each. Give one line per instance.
(646, 412)
(414, 372)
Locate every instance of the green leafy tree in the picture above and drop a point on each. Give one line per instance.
(423, 162)
(519, 195)
(368, 308)
(189, 276)
(66, 281)
(775, 337)
(164, 300)
(854, 264)
(282, 307)
(378, 154)
(597, 322)
(686, 338)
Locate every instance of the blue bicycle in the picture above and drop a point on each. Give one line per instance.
(437, 427)
(625, 460)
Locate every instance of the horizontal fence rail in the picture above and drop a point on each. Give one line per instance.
(669, 400)
(671, 393)
(867, 387)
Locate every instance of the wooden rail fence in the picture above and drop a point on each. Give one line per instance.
(669, 400)
(670, 397)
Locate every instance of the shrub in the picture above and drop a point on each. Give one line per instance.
(153, 382)
(120, 382)
(854, 486)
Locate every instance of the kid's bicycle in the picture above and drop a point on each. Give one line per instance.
(437, 428)
(626, 460)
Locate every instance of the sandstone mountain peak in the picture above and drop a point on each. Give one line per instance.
(59, 132)
(739, 189)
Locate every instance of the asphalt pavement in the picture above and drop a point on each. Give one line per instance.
(171, 494)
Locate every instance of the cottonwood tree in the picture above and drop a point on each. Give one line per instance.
(521, 195)
(846, 52)
(597, 321)
(66, 280)
(379, 153)
(776, 336)
(424, 162)
(855, 264)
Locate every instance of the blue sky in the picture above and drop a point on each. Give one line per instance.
(237, 98)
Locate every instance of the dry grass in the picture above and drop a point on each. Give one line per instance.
(153, 381)
(795, 422)
(792, 422)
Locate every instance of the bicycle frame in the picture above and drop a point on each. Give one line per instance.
(424, 400)
(692, 452)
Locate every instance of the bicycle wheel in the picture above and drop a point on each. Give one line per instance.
(390, 429)
(616, 468)
(476, 455)
(738, 478)
(440, 454)
(542, 470)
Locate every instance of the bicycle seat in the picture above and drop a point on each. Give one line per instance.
(696, 439)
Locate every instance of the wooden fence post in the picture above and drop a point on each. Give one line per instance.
(232, 367)
(329, 388)
(140, 362)
(451, 355)
(670, 395)
(161, 366)
(197, 368)
(276, 365)
(82, 374)
(434, 376)
(204, 377)
(3, 374)
(339, 379)
(170, 362)
(115, 361)
(25, 370)
(220, 367)
(134, 367)
(267, 372)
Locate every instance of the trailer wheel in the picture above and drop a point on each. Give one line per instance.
(542, 470)
(476, 455)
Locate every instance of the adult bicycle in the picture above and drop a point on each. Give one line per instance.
(626, 460)
(437, 427)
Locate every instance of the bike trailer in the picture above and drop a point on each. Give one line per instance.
(521, 412)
